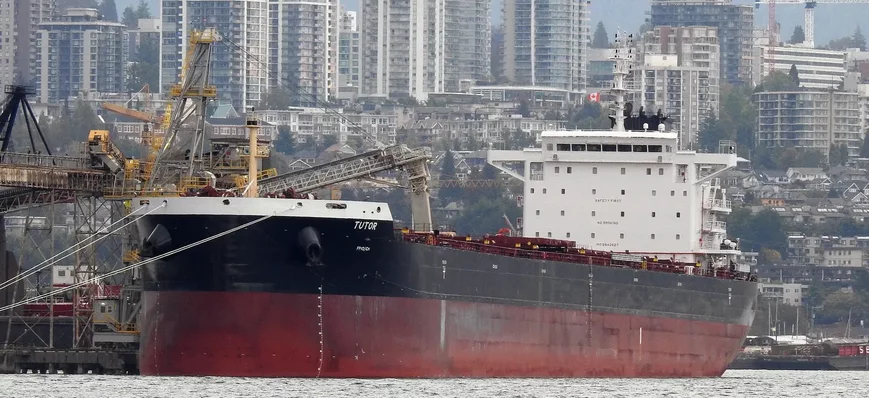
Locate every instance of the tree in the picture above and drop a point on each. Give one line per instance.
(327, 141)
(838, 155)
(356, 142)
(799, 35)
(109, 10)
(278, 98)
(794, 75)
(864, 149)
(448, 194)
(601, 38)
(285, 143)
(738, 116)
(858, 40)
(776, 81)
(146, 66)
(524, 108)
(129, 18)
(711, 132)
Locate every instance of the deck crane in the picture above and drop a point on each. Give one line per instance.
(810, 13)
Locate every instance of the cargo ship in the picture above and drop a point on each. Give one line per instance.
(622, 268)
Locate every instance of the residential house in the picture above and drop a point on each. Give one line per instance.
(805, 174)
(335, 152)
(844, 173)
(745, 179)
(773, 177)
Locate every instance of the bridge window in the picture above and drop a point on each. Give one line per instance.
(623, 214)
(562, 191)
(544, 190)
(684, 193)
(609, 147)
(625, 148)
(593, 213)
(593, 147)
(562, 212)
(549, 234)
(655, 148)
(538, 212)
(672, 193)
(678, 215)
(562, 147)
(654, 193)
(537, 234)
(648, 171)
(623, 191)
(641, 148)
(578, 147)
(594, 191)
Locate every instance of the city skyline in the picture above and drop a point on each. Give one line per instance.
(832, 21)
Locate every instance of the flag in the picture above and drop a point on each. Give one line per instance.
(594, 97)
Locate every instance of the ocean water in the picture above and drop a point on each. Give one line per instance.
(734, 383)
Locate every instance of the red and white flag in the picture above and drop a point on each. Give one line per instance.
(594, 97)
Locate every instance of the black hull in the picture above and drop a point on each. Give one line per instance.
(274, 256)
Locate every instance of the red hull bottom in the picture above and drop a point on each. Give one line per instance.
(279, 335)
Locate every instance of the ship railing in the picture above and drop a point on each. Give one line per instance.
(582, 256)
(718, 204)
(713, 225)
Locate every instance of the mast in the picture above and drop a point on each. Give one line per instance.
(252, 124)
(623, 57)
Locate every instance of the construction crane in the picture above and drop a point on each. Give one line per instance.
(810, 13)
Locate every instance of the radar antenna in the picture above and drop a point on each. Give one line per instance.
(623, 57)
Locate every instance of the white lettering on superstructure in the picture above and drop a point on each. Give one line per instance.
(366, 225)
(363, 249)
(608, 201)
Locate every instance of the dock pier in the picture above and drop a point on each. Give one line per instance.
(68, 361)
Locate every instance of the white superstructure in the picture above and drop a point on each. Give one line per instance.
(624, 190)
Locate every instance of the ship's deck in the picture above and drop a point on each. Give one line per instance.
(565, 251)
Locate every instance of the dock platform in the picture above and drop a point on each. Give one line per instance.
(68, 361)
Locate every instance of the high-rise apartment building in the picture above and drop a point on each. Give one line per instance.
(734, 22)
(817, 69)
(402, 48)
(676, 91)
(546, 42)
(468, 46)
(694, 47)
(19, 22)
(348, 21)
(303, 49)
(809, 120)
(239, 64)
(78, 53)
(348, 53)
